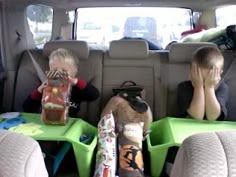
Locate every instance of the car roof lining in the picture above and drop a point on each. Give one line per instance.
(199, 5)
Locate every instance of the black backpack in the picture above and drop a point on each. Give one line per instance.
(231, 33)
(131, 92)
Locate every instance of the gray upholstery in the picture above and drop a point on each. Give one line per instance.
(20, 156)
(79, 48)
(27, 79)
(183, 52)
(135, 63)
(207, 155)
(91, 71)
(124, 49)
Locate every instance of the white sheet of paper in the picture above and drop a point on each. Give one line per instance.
(9, 115)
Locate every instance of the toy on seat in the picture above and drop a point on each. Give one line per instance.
(55, 100)
(8, 123)
(132, 117)
(106, 153)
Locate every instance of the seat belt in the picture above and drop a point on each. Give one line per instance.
(40, 73)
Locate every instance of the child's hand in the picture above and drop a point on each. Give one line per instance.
(213, 77)
(196, 76)
(42, 86)
(72, 80)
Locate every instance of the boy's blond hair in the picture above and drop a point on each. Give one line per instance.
(206, 57)
(65, 56)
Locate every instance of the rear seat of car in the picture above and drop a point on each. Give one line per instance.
(175, 71)
(27, 78)
(90, 69)
(131, 60)
(159, 72)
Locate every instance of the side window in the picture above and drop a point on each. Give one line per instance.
(40, 22)
(225, 16)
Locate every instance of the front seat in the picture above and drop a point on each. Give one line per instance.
(20, 156)
(207, 155)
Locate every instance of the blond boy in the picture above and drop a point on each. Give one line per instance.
(205, 95)
(64, 60)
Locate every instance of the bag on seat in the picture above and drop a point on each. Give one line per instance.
(129, 90)
(231, 33)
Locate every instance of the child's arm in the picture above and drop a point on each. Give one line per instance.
(222, 94)
(86, 91)
(33, 101)
(31, 105)
(213, 108)
(197, 106)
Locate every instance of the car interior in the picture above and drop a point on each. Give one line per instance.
(26, 31)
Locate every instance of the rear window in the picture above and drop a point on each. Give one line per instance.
(157, 25)
(143, 27)
(90, 26)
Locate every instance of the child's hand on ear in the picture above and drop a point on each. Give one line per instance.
(213, 77)
(196, 76)
(42, 86)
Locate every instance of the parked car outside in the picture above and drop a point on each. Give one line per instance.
(141, 27)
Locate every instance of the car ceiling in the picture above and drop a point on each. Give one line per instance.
(72, 4)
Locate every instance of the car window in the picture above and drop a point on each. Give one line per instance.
(157, 25)
(141, 27)
(226, 16)
(40, 22)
